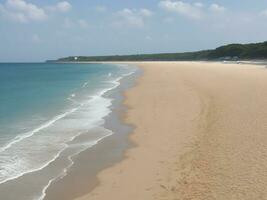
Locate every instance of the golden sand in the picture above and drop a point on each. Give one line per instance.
(201, 134)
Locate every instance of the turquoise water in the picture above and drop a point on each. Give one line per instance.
(44, 107)
(32, 93)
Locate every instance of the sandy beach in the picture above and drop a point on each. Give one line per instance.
(200, 134)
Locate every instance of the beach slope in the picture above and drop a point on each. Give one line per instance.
(201, 134)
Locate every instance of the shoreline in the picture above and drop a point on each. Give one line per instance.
(188, 165)
(101, 156)
(95, 144)
(246, 62)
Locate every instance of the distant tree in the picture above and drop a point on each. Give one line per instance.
(231, 51)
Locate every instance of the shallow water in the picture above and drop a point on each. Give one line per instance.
(48, 114)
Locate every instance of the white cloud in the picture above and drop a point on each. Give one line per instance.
(132, 17)
(182, 8)
(62, 6)
(83, 23)
(217, 8)
(21, 11)
(195, 10)
(13, 16)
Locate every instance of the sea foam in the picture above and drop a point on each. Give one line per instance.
(38, 148)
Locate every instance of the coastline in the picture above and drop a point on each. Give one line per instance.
(89, 134)
(105, 154)
(208, 145)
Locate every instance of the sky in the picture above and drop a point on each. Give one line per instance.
(38, 30)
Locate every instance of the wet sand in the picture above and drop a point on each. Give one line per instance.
(81, 177)
(200, 134)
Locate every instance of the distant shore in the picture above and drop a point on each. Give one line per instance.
(200, 134)
(247, 62)
(230, 52)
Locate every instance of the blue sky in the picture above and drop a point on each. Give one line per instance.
(35, 30)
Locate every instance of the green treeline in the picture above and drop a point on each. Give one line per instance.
(227, 52)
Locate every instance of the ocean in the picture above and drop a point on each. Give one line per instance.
(48, 114)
